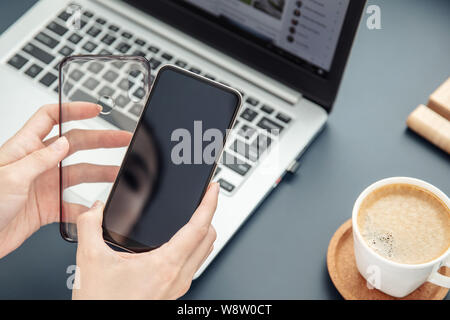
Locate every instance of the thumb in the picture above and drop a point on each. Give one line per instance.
(205, 211)
(36, 163)
(89, 226)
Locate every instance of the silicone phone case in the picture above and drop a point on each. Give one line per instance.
(98, 137)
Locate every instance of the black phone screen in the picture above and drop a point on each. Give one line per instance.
(170, 160)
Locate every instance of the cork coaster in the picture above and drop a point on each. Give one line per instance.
(349, 282)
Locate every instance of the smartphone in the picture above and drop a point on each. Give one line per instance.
(170, 160)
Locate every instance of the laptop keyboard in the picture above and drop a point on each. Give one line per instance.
(40, 57)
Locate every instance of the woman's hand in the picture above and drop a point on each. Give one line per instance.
(29, 177)
(164, 273)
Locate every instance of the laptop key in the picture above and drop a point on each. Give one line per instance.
(249, 114)
(38, 53)
(89, 46)
(113, 28)
(74, 38)
(57, 28)
(139, 93)
(218, 169)
(283, 117)
(136, 110)
(106, 92)
(139, 53)
(257, 148)
(127, 35)
(243, 149)
(181, 64)
(241, 92)
(122, 101)
(195, 70)
(66, 51)
(265, 108)
(210, 77)
(17, 61)
(91, 83)
(100, 21)
(33, 71)
(226, 185)
(252, 101)
(108, 39)
(76, 75)
(123, 47)
(93, 31)
(105, 52)
(110, 76)
(47, 40)
(118, 64)
(67, 86)
(95, 67)
(48, 79)
(235, 164)
(88, 14)
(135, 73)
(167, 56)
(82, 24)
(246, 132)
(64, 15)
(153, 49)
(154, 63)
(125, 84)
(269, 125)
(139, 42)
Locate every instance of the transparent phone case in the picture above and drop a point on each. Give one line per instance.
(98, 136)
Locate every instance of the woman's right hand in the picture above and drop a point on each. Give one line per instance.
(164, 273)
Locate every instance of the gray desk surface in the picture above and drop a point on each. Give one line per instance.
(281, 251)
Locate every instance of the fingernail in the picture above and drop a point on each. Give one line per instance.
(216, 186)
(60, 144)
(100, 108)
(97, 204)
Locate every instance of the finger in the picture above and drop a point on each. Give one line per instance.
(29, 138)
(42, 122)
(186, 275)
(88, 173)
(188, 238)
(205, 211)
(200, 254)
(70, 212)
(94, 139)
(89, 227)
(31, 166)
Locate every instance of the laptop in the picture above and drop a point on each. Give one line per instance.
(285, 57)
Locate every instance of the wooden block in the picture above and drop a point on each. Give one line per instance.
(439, 100)
(431, 126)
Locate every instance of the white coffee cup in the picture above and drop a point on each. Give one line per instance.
(393, 278)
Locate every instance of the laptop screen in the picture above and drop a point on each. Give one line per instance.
(304, 44)
(304, 31)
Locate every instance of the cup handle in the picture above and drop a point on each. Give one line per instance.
(439, 279)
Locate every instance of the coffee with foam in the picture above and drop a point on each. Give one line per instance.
(405, 223)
